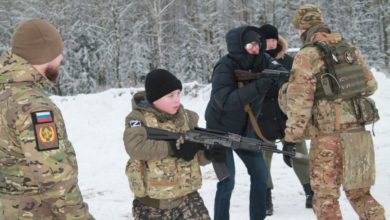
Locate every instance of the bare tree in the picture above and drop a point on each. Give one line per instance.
(115, 43)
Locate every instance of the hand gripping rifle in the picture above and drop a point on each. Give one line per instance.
(209, 137)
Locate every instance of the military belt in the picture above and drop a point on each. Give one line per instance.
(162, 203)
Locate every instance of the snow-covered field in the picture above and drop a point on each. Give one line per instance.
(95, 125)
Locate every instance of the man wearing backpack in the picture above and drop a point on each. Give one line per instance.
(321, 107)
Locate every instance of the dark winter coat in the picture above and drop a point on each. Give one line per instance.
(225, 110)
(272, 120)
(280, 53)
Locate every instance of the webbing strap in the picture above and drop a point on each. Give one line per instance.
(253, 120)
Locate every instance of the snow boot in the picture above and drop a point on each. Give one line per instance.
(268, 203)
(309, 195)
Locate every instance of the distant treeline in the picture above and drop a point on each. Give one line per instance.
(114, 43)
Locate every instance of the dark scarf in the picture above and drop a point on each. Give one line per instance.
(275, 52)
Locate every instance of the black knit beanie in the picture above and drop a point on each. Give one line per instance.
(160, 82)
(250, 36)
(269, 31)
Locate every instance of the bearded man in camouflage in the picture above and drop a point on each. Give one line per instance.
(331, 124)
(38, 168)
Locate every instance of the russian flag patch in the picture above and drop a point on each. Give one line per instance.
(42, 117)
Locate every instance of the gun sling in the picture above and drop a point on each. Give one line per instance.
(253, 120)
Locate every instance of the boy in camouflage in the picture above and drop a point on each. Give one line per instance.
(38, 175)
(164, 176)
(331, 124)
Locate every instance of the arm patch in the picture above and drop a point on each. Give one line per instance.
(134, 123)
(45, 130)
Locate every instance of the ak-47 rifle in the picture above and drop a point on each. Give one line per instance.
(209, 138)
(244, 75)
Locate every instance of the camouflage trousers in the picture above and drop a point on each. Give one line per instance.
(326, 174)
(45, 206)
(192, 208)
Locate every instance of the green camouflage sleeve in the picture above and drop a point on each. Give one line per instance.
(137, 145)
(48, 154)
(300, 93)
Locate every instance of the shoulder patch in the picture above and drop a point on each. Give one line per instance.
(275, 62)
(45, 130)
(42, 117)
(134, 123)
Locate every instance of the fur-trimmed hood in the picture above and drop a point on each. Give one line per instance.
(284, 47)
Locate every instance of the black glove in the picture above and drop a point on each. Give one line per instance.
(289, 147)
(187, 150)
(217, 153)
(263, 84)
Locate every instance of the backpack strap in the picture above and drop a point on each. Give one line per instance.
(327, 55)
(326, 81)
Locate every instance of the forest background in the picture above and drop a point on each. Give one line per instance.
(114, 43)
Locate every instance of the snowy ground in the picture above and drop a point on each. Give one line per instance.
(95, 125)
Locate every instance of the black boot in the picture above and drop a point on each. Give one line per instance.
(309, 195)
(268, 203)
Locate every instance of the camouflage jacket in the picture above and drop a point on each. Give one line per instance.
(35, 154)
(152, 170)
(308, 117)
(135, 139)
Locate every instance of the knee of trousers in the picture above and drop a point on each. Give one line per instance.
(354, 194)
(326, 193)
(226, 184)
(259, 171)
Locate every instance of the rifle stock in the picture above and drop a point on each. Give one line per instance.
(244, 75)
(209, 138)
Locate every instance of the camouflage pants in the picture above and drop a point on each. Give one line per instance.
(192, 208)
(44, 207)
(326, 174)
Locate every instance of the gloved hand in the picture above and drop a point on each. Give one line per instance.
(217, 153)
(289, 147)
(187, 150)
(263, 84)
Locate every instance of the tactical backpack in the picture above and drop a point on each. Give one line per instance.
(343, 78)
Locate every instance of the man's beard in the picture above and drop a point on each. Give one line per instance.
(52, 72)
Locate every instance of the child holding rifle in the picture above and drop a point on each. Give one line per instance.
(165, 175)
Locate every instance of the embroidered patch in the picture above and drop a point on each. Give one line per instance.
(134, 123)
(45, 130)
(43, 117)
